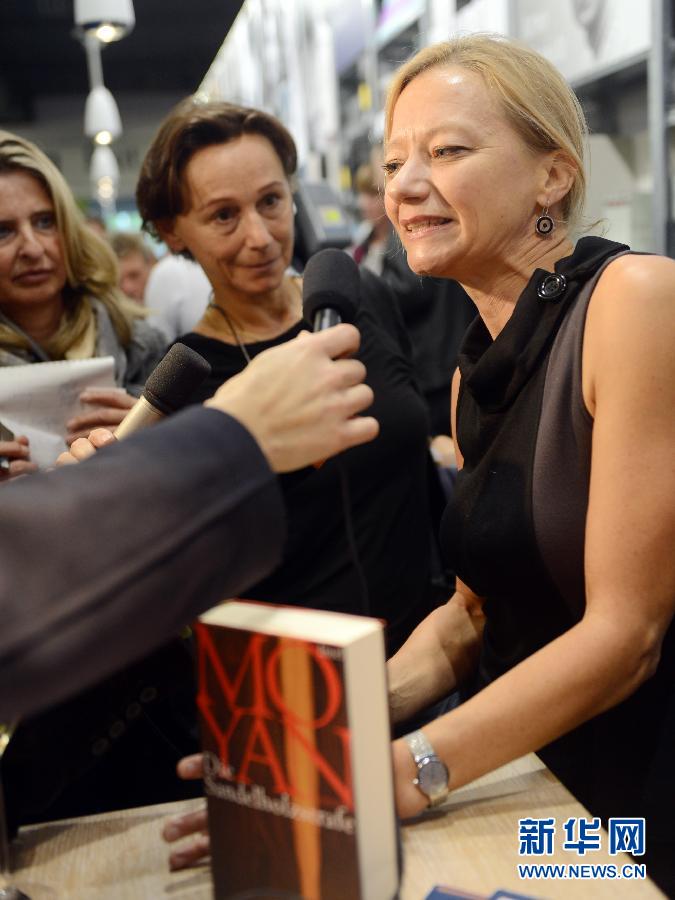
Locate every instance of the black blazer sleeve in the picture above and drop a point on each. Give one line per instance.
(103, 561)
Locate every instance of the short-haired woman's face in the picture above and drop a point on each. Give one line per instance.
(239, 220)
(32, 268)
(461, 188)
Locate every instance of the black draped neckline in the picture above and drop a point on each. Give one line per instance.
(494, 371)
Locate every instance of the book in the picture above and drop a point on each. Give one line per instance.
(297, 757)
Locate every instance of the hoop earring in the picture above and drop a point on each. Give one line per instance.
(544, 224)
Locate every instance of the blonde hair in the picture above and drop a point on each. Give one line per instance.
(91, 265)
(537, 101)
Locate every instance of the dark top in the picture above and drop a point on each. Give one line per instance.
(99, 564)
(436, 313)
(515, 532)
(388, 487)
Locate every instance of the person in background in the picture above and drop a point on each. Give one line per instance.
(97, 225)
(369, 250)
(436, 313)
(58, 287)
(176, 295)
(135, 260)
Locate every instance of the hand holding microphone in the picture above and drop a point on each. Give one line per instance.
(299, 401)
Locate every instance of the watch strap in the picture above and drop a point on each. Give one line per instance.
(419, 746)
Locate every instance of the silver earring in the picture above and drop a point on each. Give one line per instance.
(544, 224)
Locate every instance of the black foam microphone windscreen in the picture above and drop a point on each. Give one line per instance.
(331, 289)
(169, 387)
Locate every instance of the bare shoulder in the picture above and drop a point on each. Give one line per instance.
(634, 292)
(630, 329)
(638, 278)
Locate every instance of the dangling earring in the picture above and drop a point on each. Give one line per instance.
(544, 224)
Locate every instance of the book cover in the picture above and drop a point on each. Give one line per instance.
(295, 730)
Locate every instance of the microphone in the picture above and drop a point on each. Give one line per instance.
(168, 389)
(331, 287)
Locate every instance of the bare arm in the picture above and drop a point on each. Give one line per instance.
(438, 656)
(629, 386)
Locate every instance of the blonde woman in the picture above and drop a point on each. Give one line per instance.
(562, 522)
(58, 294)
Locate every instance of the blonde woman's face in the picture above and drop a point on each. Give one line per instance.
(462, 189)
(32, 268)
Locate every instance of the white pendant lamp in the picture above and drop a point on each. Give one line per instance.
(102, 120)
(107, 20)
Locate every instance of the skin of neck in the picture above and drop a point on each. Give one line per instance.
(39, 321)
(496, 288)
(260, 315)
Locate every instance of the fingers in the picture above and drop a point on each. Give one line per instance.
(359, 430)
(349, 372)
(16, 449)
(84, 447)
(190, 767)
(16, 468)
(195, 852)
(341, 340)
(80, 426)
(178, 827)
(194, 825)
(116, 397)
(355, 399)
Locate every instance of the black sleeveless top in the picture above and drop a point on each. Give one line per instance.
(514, 532)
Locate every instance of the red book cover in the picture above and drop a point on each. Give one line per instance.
(278, 713)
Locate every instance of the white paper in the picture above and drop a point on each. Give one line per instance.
(39, 398)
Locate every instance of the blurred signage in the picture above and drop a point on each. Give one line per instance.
(585, 38)
(395, 16)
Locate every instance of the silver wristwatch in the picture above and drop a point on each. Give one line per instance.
(432, 773)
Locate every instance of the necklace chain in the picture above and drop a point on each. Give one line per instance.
(230, 324)
(235, 333)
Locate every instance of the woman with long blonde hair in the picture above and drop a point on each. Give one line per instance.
(58, 290)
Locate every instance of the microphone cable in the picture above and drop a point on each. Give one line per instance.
(364, 594)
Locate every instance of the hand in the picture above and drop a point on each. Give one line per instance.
(443, 451)
(110, 406)
(17, 452)
(300, 400)
(410, 801)
(192, 823)
(83, 448)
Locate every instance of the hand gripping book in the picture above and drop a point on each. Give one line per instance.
(298, 770)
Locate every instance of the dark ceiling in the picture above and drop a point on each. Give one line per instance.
(170, 49)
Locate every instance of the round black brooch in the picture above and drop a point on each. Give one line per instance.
(552, 287)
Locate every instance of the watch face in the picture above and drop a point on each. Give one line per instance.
(432, 776)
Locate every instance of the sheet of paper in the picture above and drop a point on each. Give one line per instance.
(38, 399)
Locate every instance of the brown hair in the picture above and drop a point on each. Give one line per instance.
(190, 127)
(536, 99)
(126, 242)
(364, 180)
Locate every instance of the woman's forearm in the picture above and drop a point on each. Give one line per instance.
(587, 670)
(440, 653)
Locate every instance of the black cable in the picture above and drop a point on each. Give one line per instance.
(351, 538)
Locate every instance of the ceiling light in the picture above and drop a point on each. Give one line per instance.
(101, 116)
(103, 166)
(107, 20)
